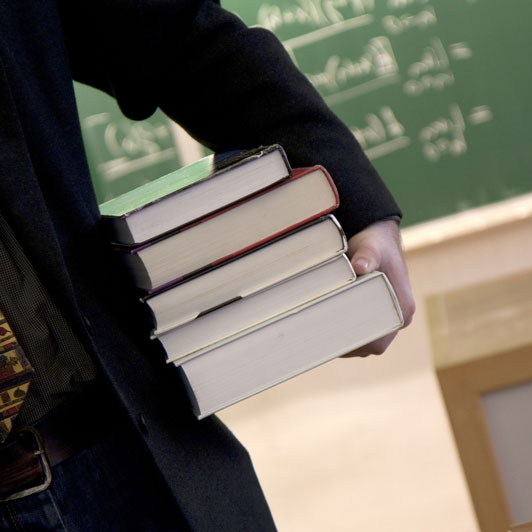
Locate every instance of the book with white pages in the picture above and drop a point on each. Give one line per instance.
(309, 194)
(221, 325)
(301, 339)
(313, 244)
(192, 192)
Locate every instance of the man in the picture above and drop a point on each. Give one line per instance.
(125, 451)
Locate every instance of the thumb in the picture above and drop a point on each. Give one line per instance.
(365, 260)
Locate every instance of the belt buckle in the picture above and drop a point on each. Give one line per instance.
(31, 438)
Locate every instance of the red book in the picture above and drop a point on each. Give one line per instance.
(308, 194)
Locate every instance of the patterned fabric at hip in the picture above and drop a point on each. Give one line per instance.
(15, 377)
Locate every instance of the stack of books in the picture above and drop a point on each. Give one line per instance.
(244, 270)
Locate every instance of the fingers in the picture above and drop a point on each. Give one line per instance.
(378, 347)
(399, 280)
(368, 249)
(378, 247)
(366, 259)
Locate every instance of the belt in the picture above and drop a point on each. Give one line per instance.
(30, 452)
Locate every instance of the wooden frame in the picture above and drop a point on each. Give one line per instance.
(525, 527)
(462, 387)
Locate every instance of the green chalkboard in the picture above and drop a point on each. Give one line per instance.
(438, 92)
(123, 154)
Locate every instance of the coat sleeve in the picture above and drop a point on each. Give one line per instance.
(228, 85)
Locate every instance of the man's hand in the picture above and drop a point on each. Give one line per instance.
(378, 247)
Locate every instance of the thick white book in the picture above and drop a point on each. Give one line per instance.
(264, 266)
(301, 339)
(221, 325)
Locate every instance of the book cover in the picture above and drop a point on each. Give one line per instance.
(192, 191)
(307, 195)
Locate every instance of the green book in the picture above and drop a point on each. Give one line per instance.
(191, 193)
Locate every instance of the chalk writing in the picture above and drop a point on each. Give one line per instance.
(460, 50)
(401, 4)
(273, 17)
(433, 58)
(363, 88)
(445, 135)
(377, 61)
(415, 87)
(430, 72)
(480, 115)
(312, 13)
(395, 25)
(321, 34)
(123, 146)
(382, 134)
(424, 86)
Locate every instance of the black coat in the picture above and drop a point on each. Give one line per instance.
(230, 87)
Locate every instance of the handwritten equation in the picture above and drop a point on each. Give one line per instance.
(444, 136)
(377, 62)
(435, 91)
(120, 146)
(344, 78)
(303, 16)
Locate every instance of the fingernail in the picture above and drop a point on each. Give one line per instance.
(362, 263)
